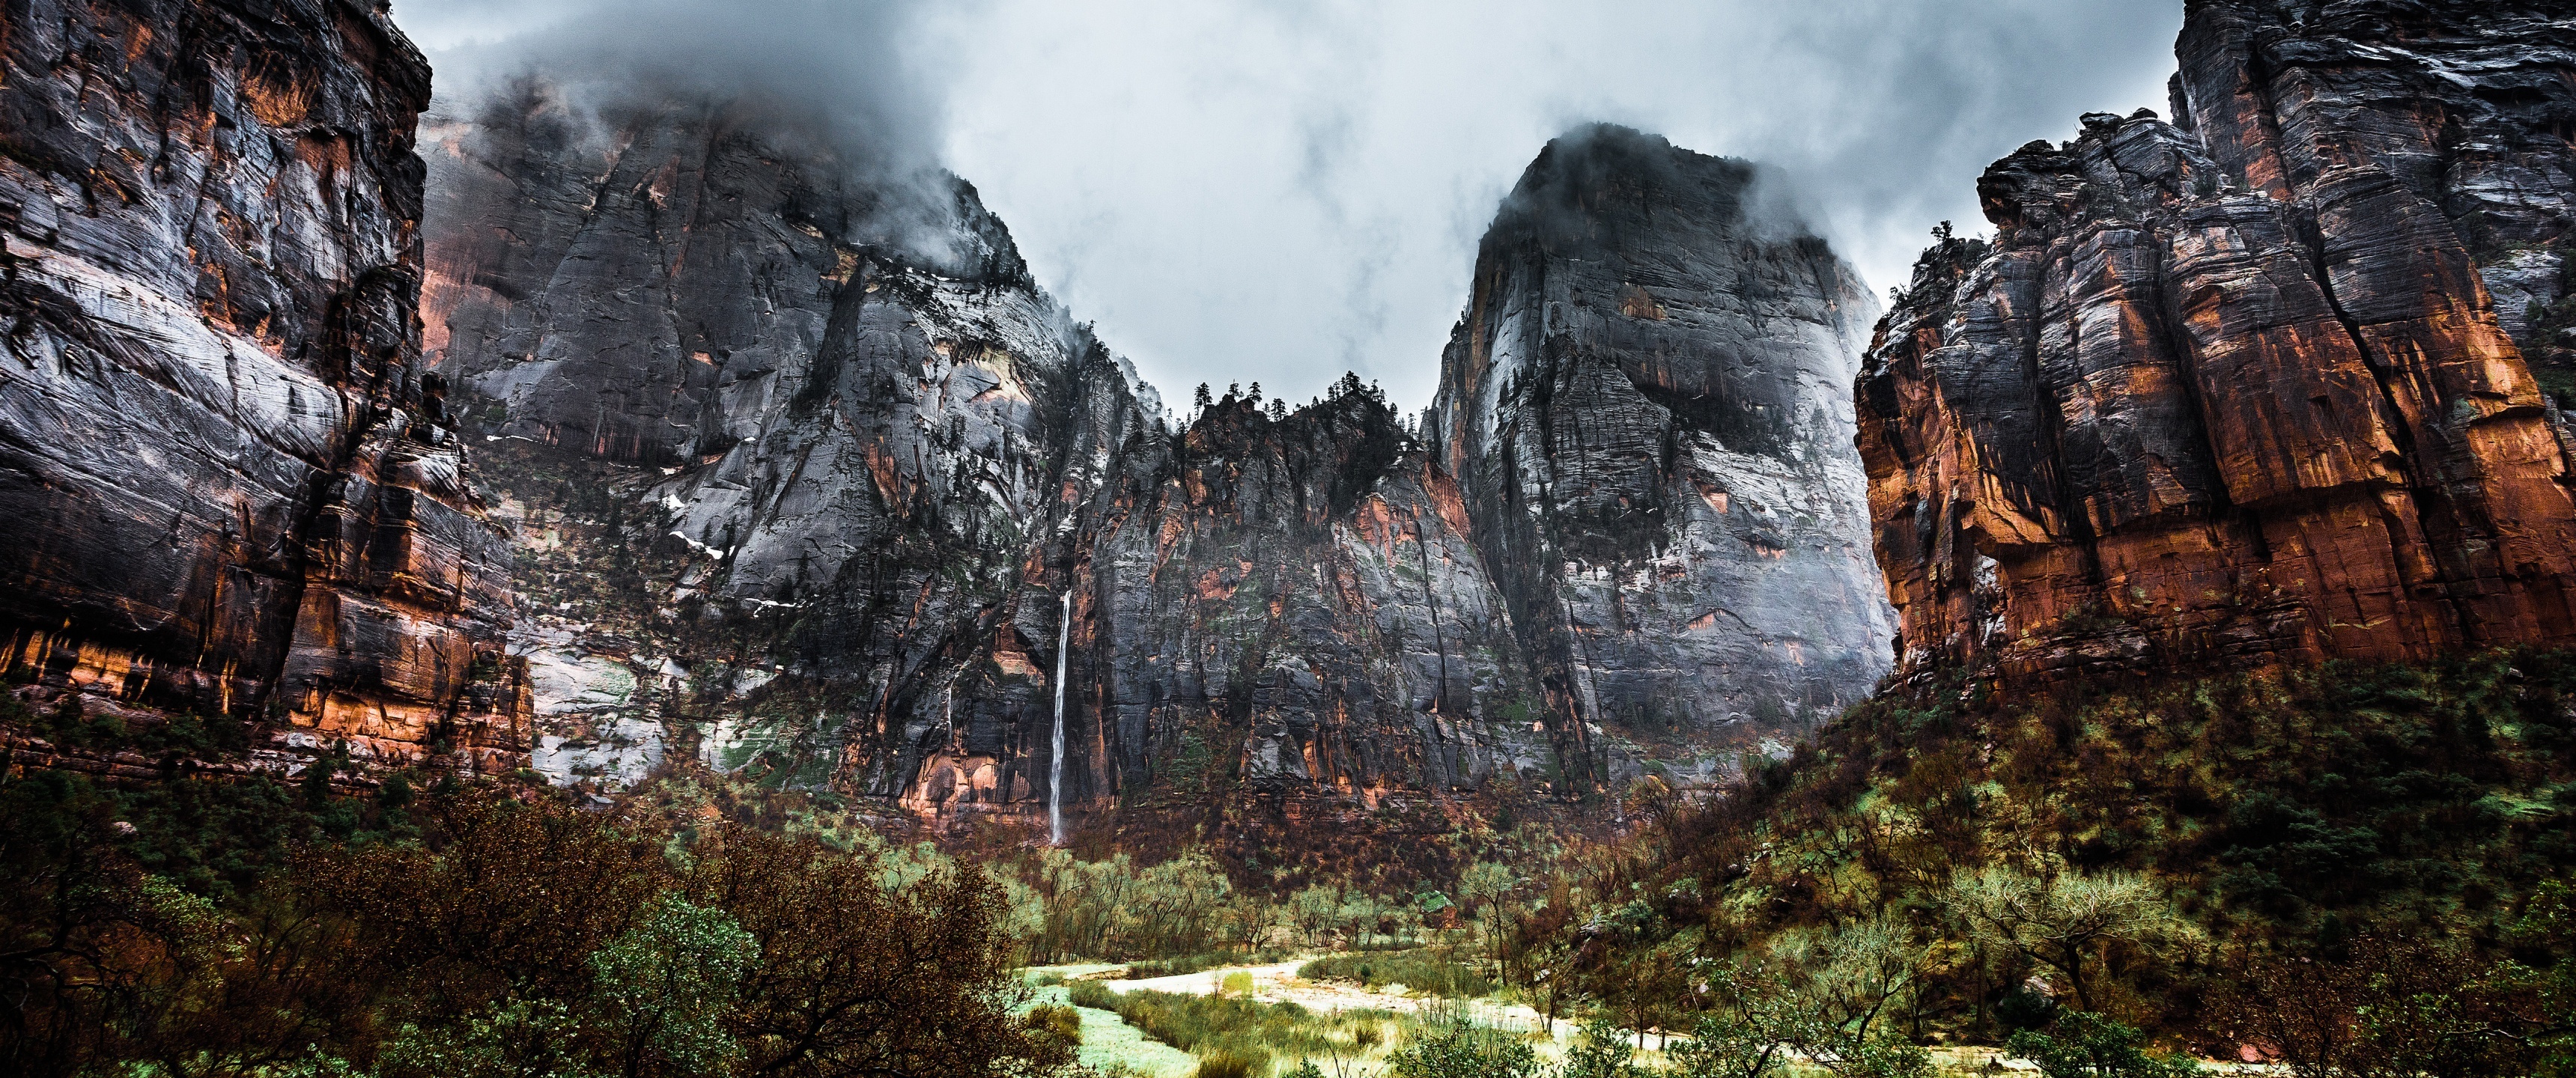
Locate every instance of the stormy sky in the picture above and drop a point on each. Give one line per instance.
(1279, 190)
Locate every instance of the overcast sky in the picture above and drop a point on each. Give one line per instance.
(1279, 191)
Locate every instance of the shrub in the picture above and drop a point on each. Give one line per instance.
(2086, 1045)
(1092, 994)
(2021, 1009)
(1057, 1021)
(1223, 1063)
(1423, 970)
(1458, 1050)
(509, 938)
(1202, 1025)
(1176, 966)
(1601, 1052)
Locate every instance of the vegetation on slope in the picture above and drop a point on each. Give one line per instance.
(2197, 858)
(198, 928)
(2349, 868)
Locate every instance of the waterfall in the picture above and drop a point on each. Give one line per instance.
(1055, 763)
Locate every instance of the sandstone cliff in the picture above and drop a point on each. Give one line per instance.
(811, 480)
(227, 485)
(1301, 591)
(816, 498)
(807, 494)
(849, 423)
(2237, 390)
(1644, 406)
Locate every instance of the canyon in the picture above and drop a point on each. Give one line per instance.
(600, 427)
(878, 471)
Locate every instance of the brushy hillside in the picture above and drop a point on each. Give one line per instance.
(2189, 856)
(192, 927)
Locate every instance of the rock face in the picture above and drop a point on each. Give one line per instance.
(891, 501)
(1296, 600)
(226, 483)
(859, 451)
(871, 471)
(577, 283)
(1644, 407)
(2237, 391)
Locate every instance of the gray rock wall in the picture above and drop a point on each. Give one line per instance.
(1644, 405)
(870, 473)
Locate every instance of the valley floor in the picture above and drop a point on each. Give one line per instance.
(1113, 1047)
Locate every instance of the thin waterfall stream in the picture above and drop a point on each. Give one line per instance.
(1055, 763)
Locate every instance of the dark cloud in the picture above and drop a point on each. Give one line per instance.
(1274, 191)
(836, 83)
(844, 69)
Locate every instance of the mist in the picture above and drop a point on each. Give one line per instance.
(1279, 191)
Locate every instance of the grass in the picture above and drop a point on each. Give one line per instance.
(1223, 1031)
(1112, 1047)
(1189, 963)
(1422, 969)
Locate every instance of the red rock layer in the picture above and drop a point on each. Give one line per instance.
(2234, 396)
(224, 485)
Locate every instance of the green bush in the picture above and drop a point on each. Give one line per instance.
(1223, 1063)
(1464, 1051)
(1092, 994)
(1205, 1025)
(1062, 1023)
(1601, 1052)
(2086, 1045)
(1173, 967)
(1421, 969)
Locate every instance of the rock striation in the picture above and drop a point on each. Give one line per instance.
(1295, 598)
(808, 476)
(852, 434)
(869, 470)
(1644, 407)
(2235, 389)
(226, 483)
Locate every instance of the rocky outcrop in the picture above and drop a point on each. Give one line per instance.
(226, 483)
(2465, 104)
(2236, 391)
(849, 451)
(583, 245)
(805, 492)
(1295, 603)
(1644, 408)
(872, 477)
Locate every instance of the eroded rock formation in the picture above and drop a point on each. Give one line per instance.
(1306, 584)
(1644, 407)
(865, 470)
(855, 446)
(870, 470)
(226, 484)
(2237, 390)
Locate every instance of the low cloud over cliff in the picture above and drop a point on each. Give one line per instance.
(1276, 191)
